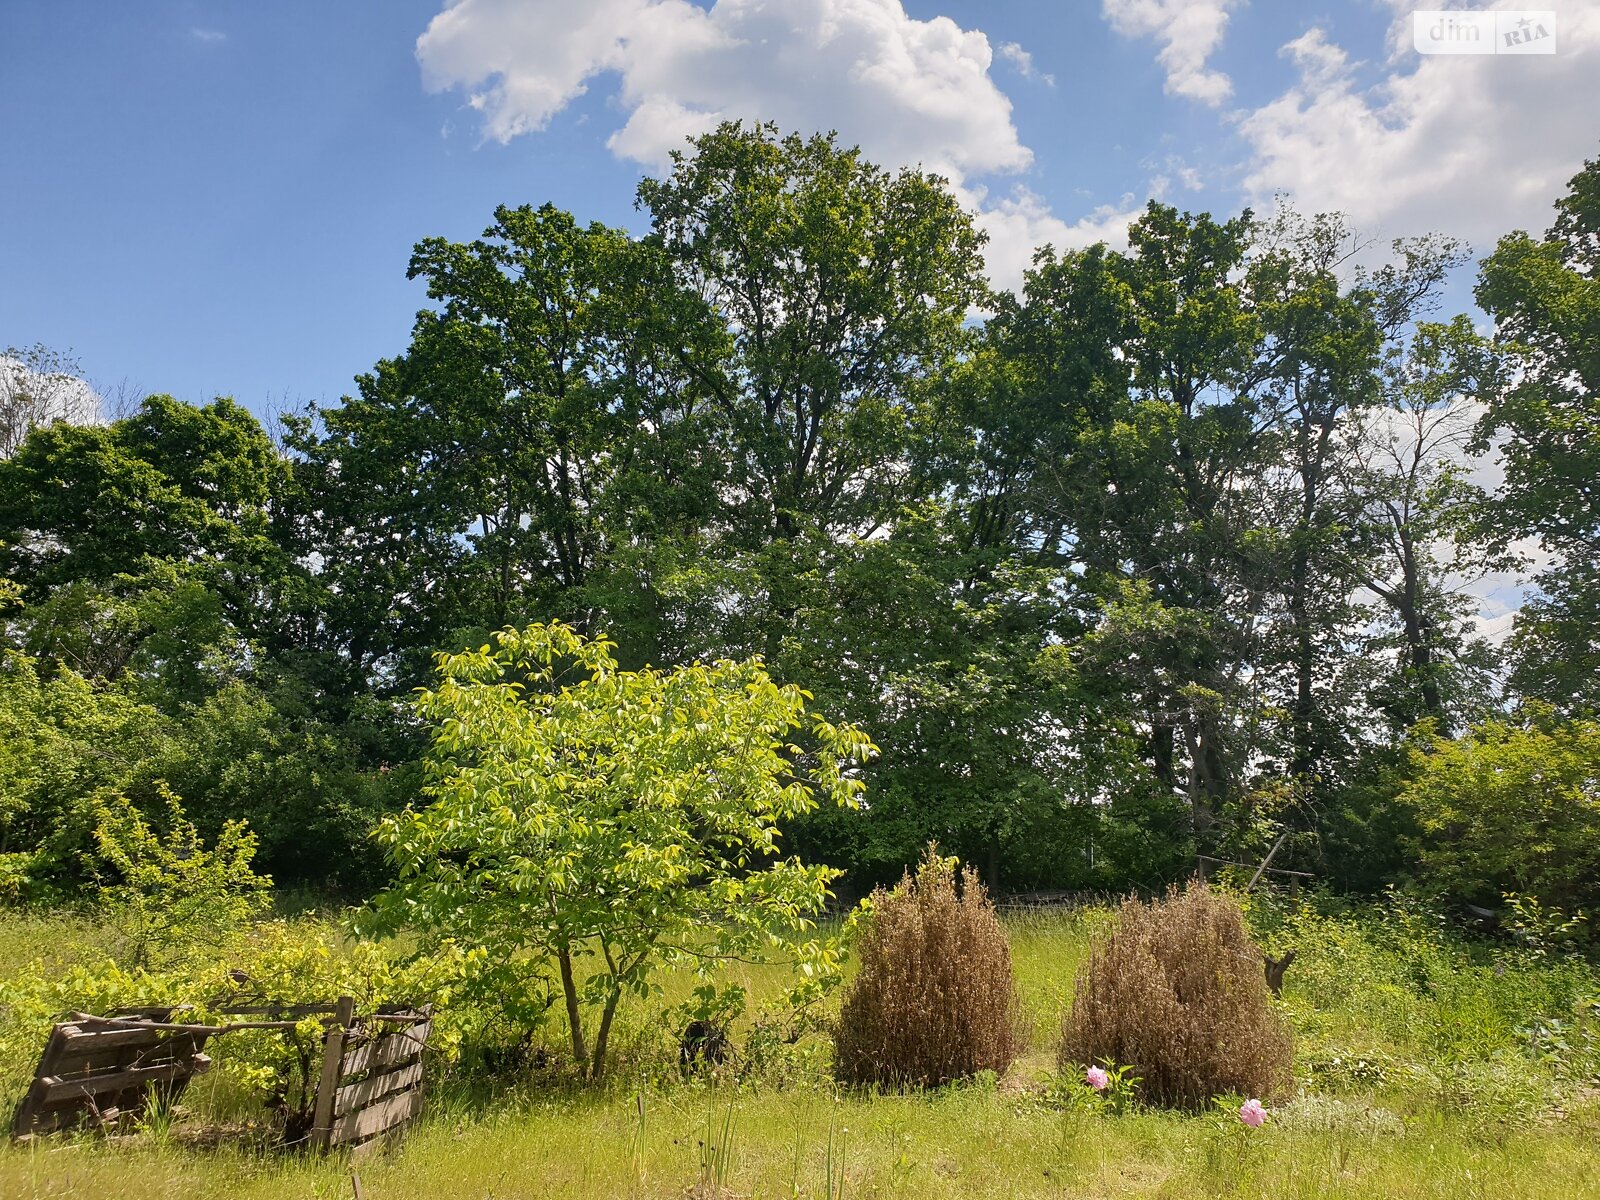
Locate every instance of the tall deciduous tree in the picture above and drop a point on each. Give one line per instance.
(1135, 414)
(1420, 531)
(1544, 295)
(134, 538)
(843, 289)
(540, 421)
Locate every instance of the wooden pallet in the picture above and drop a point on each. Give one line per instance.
(96, 1071)
(372, 1076)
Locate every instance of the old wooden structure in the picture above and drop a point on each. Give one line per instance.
(101, 1071)
(372, 1075)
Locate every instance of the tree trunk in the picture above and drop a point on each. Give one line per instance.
(603, 1035)
(1304, 758)
(569, 988)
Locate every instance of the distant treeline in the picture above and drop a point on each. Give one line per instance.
(1165, 554)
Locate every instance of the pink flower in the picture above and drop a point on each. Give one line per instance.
(1097, 1078)
(1252, 1114)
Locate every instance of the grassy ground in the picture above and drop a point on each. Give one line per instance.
(1428, 1068)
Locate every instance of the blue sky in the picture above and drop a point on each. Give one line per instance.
(206, 197)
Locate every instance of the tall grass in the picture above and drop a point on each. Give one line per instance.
(1422, 1075)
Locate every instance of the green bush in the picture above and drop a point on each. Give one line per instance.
(1512, 808)
(167, 893)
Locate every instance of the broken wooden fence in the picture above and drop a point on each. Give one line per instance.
(97, 1071)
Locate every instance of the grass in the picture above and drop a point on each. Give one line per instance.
(1422, 1073)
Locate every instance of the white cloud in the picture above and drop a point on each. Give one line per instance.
(1020, 223)
(908, 91)
(1189, 31)
(1023, 61)
(208, 36)
(1469, 145)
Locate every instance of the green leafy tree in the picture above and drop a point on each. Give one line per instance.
(1512, 807)
(540, 423)
(1544, 295)
(843, 290)
(613, 821)
(1138, 418)
(145, 546)
(1417, 528)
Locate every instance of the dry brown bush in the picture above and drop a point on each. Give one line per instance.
(1178, 993)
(934, 998)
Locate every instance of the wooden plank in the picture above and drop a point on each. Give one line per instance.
(148, 1012)
(375, 1088)
(385, 1115)
(56, 1089)
(328, 1082)
(390, 1050)
(78, 1066)
(28, 1118)
(280, 1010)
(107, 1039)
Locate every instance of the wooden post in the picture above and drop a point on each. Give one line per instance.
(1267, 861)
(1275, 969)
(328, 1082)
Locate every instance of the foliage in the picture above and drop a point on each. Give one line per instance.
(1178, 993)
(66, 743)
(614, 819)
(1163, 555)
(1513, 806)
(62, 742)
(1544, 295)
(933, 1000)
(168, 893)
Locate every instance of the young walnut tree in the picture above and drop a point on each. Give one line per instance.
(602, 823)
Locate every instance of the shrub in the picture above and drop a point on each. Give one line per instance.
(934, 999)
(171, 896)
(1512, 808)
(1177, 991)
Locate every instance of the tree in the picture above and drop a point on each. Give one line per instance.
(539, 423)
(169, 497)
(1545, 298)
(843, 290)
(1419, 514)
(622, 819)
(61, 743)
(39, 386)
(1144, 445)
